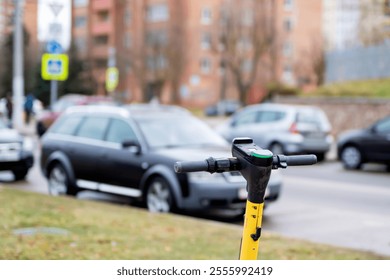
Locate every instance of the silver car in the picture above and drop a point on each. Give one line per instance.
(284, 129)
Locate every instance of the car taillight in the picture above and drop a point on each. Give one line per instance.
(293, 128)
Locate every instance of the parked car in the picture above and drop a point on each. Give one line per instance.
(131, 151)
(47, 117)
(15, 152)
(284, 129)
(223, 107)
(371, 144)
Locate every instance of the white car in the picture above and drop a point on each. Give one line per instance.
(284, 129)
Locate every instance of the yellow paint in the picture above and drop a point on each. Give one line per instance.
(55, 67)
(252, 221)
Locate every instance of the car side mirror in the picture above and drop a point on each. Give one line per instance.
(132, 146)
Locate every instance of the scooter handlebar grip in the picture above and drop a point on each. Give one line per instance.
(191, 166)
(301, 160)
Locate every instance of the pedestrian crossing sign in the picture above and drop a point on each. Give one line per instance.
(55, 67)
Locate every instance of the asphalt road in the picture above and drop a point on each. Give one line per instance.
(327, 204)
(321, 203)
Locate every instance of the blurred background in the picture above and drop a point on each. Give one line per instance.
(214, 57)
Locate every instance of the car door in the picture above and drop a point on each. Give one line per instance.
(87, 148)
(121, 166)
(377, 144)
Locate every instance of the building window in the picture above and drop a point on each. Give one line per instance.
(103, 16)
(81, 43)
(158, 13)
(80, 21)
(206, 16)
(127, 17)
(205, 66)
(156, 38)
(287, 24)
(246, 65)
(287, 49)
(80, 3)
(156, 62)
(101, 63)
(288, 4)
(287, 75)
(127, 40)
(100, 40)
(205, 42)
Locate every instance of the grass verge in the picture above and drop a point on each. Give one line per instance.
(103, 231)
(368, 88)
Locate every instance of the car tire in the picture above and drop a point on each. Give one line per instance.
(351, 157)
(20, 174)
(159, 196)
(277, 148)
(59, 181)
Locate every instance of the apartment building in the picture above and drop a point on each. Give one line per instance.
(143, 37)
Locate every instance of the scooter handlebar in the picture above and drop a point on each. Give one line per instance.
(191, 166)
(301, 160)
(282, 161)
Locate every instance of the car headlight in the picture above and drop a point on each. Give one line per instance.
(203, 177)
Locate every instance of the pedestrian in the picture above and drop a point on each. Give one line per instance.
(9, 106)
(28, 106)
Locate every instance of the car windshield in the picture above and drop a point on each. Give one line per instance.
(168, 132)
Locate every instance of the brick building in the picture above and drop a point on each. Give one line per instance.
(143, 37)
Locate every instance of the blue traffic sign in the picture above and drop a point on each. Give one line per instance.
(53, 47)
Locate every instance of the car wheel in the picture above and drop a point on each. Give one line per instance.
(20, 174)
(159, 196)
(59, 181)
(277, 149)
(351, 157)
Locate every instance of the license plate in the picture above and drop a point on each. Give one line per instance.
(9, 157)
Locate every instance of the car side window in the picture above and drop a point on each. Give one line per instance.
(67, 126)
(383, 126)
(93, 128)
(246, 118)
(271, 116)
(119, 131)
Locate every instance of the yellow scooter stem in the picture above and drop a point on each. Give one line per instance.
(252, 231)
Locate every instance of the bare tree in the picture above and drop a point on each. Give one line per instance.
(373, 16)
(310, 65)
(246, 34)
(158, 57)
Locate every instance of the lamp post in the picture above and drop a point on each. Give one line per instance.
(18, 79)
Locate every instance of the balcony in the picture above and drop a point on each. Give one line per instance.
(102, 4)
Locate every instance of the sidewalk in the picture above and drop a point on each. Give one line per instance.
(28, 129)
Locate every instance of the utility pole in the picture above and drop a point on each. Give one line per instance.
(18, 79)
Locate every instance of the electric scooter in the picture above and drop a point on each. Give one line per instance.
(255, 165)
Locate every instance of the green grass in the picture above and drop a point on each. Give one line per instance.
(367, 88)
(98, 230)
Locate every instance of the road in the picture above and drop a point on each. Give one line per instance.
(327, 204)
(321, 203)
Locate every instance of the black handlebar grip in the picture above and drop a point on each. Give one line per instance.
(301, 160)
(191, 166)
